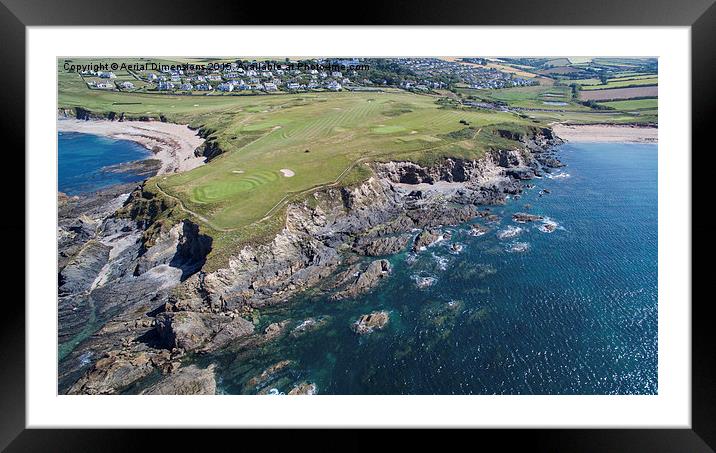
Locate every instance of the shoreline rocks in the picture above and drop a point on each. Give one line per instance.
(370, 322)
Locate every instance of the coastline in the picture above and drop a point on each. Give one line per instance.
(172, 144)
(602, 133)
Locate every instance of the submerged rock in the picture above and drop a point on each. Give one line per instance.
(304, 388)
(370, 322)
(275, 329)
(268, 373)
(522, 217)
(309, 325)
(477, 229)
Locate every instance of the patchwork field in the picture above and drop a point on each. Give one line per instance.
(623, 82)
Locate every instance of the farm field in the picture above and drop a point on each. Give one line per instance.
(623, 82)
(619, 93)
(635, 104)
(531, 97)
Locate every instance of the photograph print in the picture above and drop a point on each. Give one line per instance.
(473, 225)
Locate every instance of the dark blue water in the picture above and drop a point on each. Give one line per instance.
(82, 158)
(575, 312)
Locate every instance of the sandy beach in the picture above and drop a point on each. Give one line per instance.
(172, 144)
(606, 133)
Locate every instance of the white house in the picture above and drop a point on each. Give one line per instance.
(126, 85)
(107, 75)
(186, 87)
(335, 86)
(165, 86)
(225, 87)
(270, 86)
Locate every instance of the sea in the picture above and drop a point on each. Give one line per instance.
(83, 160)
(566, 305)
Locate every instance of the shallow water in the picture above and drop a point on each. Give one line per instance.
(82, 158)
(572, 311)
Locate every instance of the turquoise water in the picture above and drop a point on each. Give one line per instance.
(574, 312)
(82, 158)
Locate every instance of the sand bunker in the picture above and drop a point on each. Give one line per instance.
(287, 173)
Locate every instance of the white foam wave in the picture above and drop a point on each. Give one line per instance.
(548, 225)
(441, 261)
(558, 175)
(509, 232)
(424, 282)
(518, 247)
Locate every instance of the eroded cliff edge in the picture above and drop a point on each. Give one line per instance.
(141, 289)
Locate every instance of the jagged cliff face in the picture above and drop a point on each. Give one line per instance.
(108, 263)
(401, 197)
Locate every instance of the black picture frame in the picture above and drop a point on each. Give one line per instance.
(16, 15)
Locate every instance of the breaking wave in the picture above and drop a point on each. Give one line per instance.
(509, 232)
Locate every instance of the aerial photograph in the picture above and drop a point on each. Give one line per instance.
(470, 225)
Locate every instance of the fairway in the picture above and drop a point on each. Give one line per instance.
(318, 136)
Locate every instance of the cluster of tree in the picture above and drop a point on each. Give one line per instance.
(388, 72)
(533, 62)
(596, 106)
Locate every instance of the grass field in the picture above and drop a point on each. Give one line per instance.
(634, 104)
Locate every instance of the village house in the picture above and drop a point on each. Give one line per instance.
(226, 87)
(270, 86)
(126, 85)
(204, 87)
(165, 86)
(186, 87)
(333, 85)
(107, 75)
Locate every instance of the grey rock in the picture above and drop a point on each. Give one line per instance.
(190, 380)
